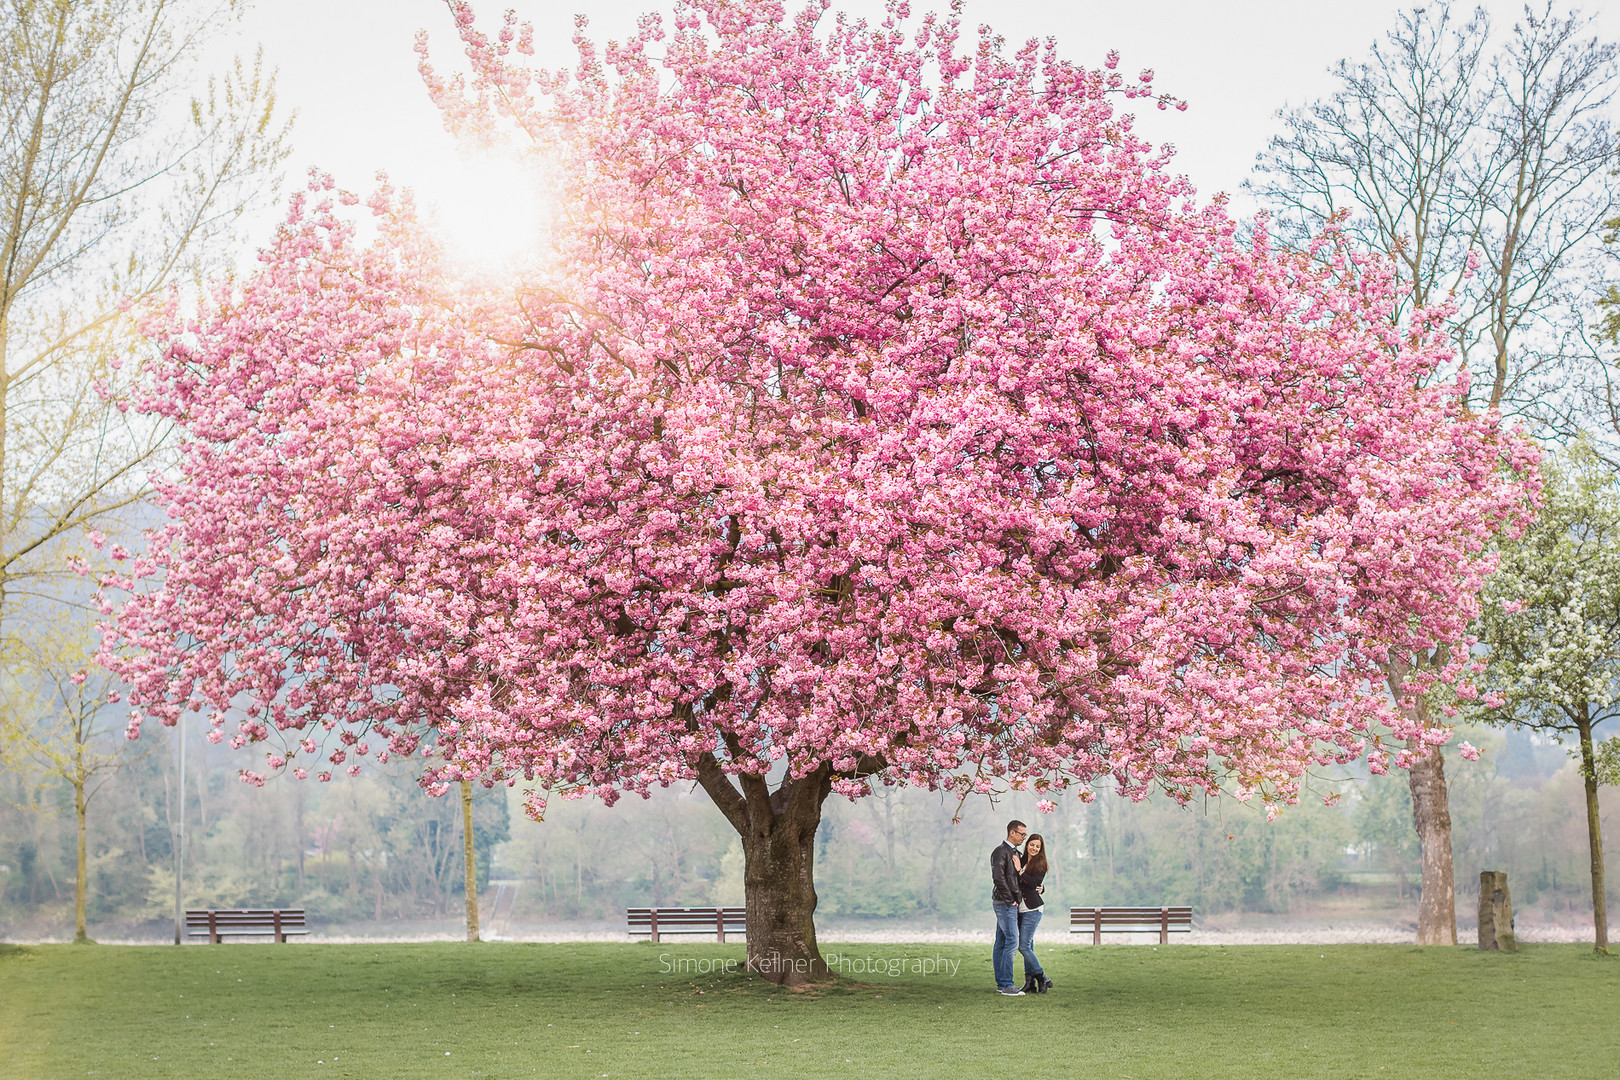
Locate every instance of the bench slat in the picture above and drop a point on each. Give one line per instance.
(1123, 912)
(238, 923)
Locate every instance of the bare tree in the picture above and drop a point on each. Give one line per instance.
(116, 182)
(1484, 168)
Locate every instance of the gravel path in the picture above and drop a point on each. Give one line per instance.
(1335, 934)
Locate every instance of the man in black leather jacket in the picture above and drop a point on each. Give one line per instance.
(1004, 897)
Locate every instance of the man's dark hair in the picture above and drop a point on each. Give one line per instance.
(1014, 824)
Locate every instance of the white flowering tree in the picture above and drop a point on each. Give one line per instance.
(1551, 624)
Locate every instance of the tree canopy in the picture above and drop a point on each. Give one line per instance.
(882, 412)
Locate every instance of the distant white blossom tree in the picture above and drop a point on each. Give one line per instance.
(1551, 624)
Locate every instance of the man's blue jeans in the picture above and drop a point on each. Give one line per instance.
(1027, 922)
(1006, 944)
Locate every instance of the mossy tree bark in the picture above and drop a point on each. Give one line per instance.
(1431, 813)
(778, 830)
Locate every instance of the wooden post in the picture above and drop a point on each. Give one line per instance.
(1495, 913)
(720, 924)
(276, 916)
(654, 915)
(1096, 926)
(469, 862)
(1164, 926)
(179, 827)
(213, 927)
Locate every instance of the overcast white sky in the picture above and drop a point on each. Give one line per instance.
(348, 68)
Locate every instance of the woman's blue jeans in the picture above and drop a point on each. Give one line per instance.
(1027, 922)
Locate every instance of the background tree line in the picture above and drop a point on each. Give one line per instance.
(378, 850)
(373, 849)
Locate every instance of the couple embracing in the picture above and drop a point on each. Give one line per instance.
(1015, 893)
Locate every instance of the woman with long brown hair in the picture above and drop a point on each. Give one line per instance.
(1031, 872)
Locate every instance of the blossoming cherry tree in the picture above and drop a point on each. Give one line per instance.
(883, 412)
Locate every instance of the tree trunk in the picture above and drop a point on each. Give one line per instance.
(778, 831)
(471, 868)
(780, 894)
(1594, 837)
(1431, 813)
(81, 884)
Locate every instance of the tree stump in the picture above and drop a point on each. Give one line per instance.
(1495, 912)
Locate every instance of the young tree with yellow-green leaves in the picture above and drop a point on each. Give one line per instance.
(121, 174)
(61, 721)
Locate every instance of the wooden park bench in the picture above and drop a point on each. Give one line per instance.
(217, 923)
(1130, 920)
(718, 921)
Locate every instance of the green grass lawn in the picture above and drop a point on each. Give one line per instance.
(511, 1010)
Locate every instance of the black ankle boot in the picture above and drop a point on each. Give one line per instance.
(1043, 984)
(1031, 985)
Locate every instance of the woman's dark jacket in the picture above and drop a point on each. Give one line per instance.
(1027, 882)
